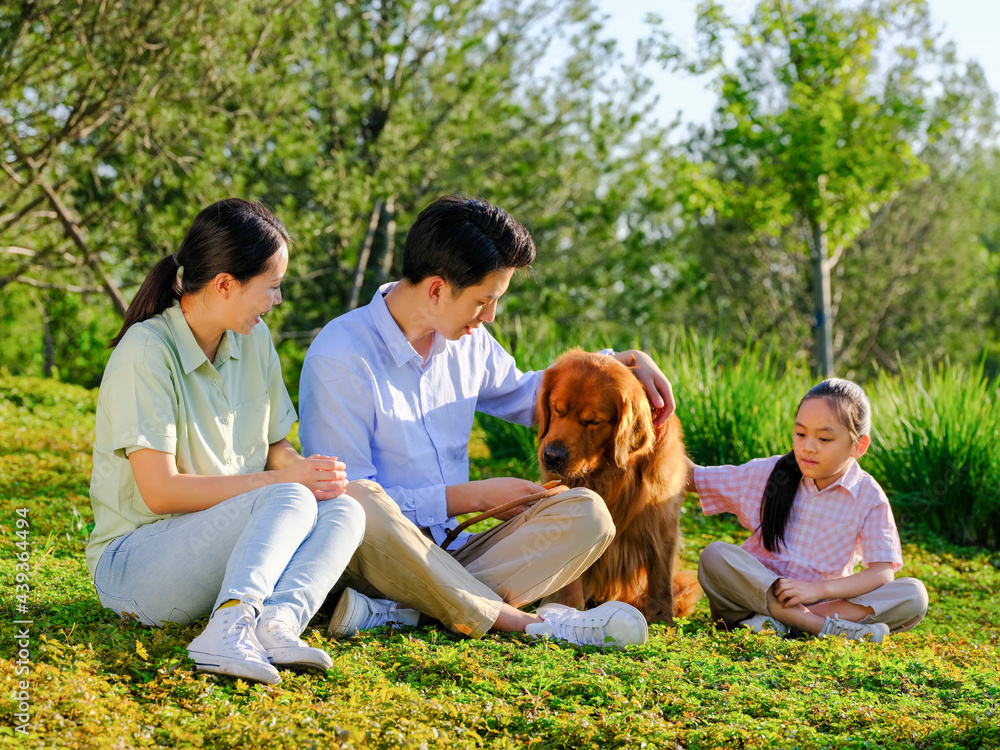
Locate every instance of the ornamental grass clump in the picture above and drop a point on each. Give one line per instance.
(936, 451)
(734, 407)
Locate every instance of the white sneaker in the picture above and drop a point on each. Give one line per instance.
(278, 633)
(611, 625)
(228, 645)
(761, 623)
(356, 612)
(854, 631)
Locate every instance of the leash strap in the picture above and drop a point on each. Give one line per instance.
(552, 488)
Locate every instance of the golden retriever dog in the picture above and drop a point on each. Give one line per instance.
(595, 430)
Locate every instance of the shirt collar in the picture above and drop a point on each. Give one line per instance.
(191, 355)
(850, 480)
(392, 335)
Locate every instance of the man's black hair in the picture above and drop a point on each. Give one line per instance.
(464, 240)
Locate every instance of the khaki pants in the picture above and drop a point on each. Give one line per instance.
(736, 585)
(519, 561)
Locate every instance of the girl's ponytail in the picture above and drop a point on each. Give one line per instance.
(779, 494)
(158, 292)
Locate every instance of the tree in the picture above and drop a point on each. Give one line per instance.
(120, 120)
(99, 101)
(813, 144)
(911, 280)
(936, 280)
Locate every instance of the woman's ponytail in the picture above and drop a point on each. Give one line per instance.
(779, 494)
(159, 290)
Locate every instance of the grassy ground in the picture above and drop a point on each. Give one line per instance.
(90, 681)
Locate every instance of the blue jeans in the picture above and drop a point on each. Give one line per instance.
(276, 543)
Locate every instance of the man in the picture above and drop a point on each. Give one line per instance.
(392, 389)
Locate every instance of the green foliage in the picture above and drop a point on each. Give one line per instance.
(844, 149)
(330, 113)
(95, 681)
(29, 394)
(512, 442)
(733, 406)
(800, 106)
(935, 450)
(338, 113)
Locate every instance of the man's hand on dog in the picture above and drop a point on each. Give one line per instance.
(658, 388)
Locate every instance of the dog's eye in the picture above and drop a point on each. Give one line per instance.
(590, 423)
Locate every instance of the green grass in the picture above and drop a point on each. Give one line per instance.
(939, 459)
(97, 682)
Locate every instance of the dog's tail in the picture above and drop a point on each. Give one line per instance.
(687, 591)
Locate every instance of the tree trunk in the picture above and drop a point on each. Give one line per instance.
(48, 349)
(387, 247)
(48, 345)
(366, 249)
(823, 327)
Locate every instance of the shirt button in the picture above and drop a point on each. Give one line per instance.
(225, 420)
(229, 460)
(215, 382)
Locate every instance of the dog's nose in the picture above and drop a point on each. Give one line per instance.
(555, 456)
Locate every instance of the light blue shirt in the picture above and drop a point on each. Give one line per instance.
(367, 397)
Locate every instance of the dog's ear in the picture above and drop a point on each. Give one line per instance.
(542, 403)
(635, 425)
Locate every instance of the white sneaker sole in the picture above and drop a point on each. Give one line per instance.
(248, 670)
(300, 659)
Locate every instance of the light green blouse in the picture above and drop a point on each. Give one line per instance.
(160, 391)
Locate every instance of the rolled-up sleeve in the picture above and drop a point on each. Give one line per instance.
(718, 487)
(144, 413)
(282, 411)
(880, 539)
(734, 489)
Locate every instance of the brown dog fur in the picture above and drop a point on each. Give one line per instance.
(595, 430)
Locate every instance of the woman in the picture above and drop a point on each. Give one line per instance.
(201, 504)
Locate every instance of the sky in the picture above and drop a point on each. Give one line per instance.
(974, 26)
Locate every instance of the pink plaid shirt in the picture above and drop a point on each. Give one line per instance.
(828, 531)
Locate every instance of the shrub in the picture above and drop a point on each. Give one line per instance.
(31, 393)
(935, 450)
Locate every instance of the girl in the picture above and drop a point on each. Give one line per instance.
(201, 504)
(815, 514)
